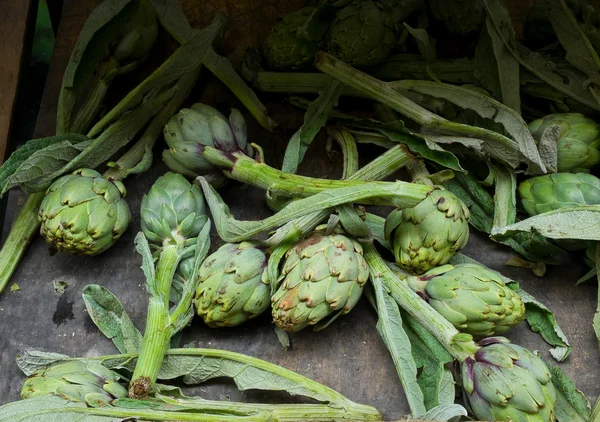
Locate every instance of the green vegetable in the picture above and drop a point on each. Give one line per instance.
(428, 235)
(549, 192)
(138, 36)
(286, 49)
(76, 381)
(460, 17)
(173, 211)
(321, 274)
(83, 213)
(232, 286)
(474, 299)
(503, 381)
(363, 33)
(578, 140)
(190, 130)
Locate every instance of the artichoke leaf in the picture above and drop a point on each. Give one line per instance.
(571, 405)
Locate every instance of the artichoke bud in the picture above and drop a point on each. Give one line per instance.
(429, 234)
(321, 274)
(89, 383)
(473, 298)
(191, 129)
(83, 213)
(232, 285)
(503, 381)
(138, 36)
(173, 211)
(578, 140)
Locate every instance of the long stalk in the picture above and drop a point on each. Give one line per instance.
(159, 329)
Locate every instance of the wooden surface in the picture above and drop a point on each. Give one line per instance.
(14, 17)
(348, 356)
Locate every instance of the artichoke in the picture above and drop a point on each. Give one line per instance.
(503, 381)
(460, 17)
(428, 235)
(192, 128)
(286, 49)
(321, 274)
(232, 286)
(473, 298)
(173, 211)
(89, 383)
(560, 190)
(578, 141)
(363, 33)
(83, 213)
(138, 36)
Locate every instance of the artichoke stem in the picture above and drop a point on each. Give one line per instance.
(159, 329)
(24, 228)
(90, 108)
(418, 172)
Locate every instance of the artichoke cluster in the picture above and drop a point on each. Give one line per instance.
(83, 213)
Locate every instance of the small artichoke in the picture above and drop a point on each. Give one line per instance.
(578, 142)
(506, 382)
(286, 49)
(89, 383)
(232, 286)
(83, 213)
(461, 17)
(321, 274)
(173, 211)
(363, 33)
(428, 235)
(138, 36)
(559, 190)
(192, 128)
(473, 298)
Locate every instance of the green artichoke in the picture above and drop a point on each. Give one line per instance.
(473, 298)
(232, 286)
(192, 128)
(173, 211)
(89, 383)
(560, 190)
(286, 48)
(460, 17)
(321, 274)
(428, 235)
(578, 142)
(83, 213)
(363, 33)
(503, 382)
(138, 36)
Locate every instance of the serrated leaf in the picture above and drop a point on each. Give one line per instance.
(572, 405)
(30, 360)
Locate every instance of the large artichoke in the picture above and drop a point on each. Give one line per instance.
(173, 210)
(473, 298)
(232, 286)
(363, 33)
(288, 49)
(506, 382)
(428, 235)
(77, 381)
(560, 190)
(138, 36)
(192, 128)
(459, 16)
(578, 142)
(83, 213)
(321, 274)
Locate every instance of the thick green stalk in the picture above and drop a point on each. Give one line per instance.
(24, 228)
(458, 344)
(159, 329)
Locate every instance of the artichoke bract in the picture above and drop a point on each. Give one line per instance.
(473, 298)
(191, 129)
(89, 383)
(578, 141)
(428, 235)
(321, 274)
(83, 213)
(560, 190)
(503, 381)
(232, 286)
(173, 210)
(363, 33)
(286, 49)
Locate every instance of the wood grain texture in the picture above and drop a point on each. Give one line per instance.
(13, 32)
